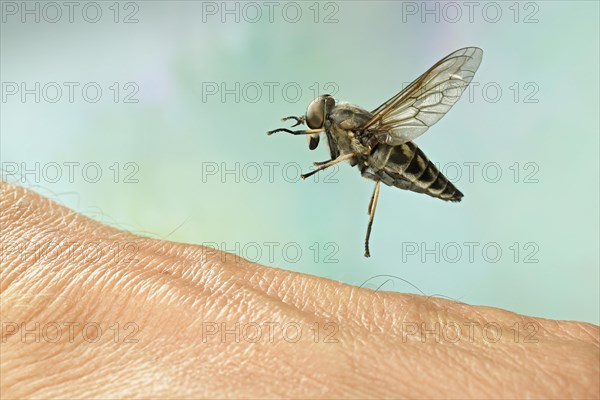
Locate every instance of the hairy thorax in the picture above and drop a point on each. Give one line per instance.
(344, 123)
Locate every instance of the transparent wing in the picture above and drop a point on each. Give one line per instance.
(424, 102)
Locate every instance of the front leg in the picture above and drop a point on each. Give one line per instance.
(297, 132)
(319, 163)
(329, 164)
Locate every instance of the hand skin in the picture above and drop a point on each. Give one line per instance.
(170, 301)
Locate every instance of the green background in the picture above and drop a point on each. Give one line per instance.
(543, 56)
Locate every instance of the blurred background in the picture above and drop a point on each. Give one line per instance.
(151, 117)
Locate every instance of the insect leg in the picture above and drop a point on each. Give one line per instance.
(372, 207)
(371, 201)
(299, 120)
(298, 132)
(319, 163)
(328, 164)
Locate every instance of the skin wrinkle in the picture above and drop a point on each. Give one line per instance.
(281, 308)
(286, 290)
(97, 379)
(384, 320)
(52, 355)
(462, 359)
(235, 290)
(361, 363)
(29, 259)
(364, 319)
(73, 374)
(289, 291)
(308, 382)
(130, 279)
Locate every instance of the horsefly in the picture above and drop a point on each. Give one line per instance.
(380, 142)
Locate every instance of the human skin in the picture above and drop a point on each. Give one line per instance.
(65, 271)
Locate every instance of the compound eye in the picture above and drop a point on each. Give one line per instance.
(315, 114)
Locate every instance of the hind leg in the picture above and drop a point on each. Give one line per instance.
(372, 207)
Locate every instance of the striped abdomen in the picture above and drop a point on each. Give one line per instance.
(409, 168)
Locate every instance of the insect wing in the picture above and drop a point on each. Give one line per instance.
(425, 101)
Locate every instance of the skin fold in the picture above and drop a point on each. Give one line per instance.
(88, 311)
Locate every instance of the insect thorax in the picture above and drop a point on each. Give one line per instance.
(345, 122)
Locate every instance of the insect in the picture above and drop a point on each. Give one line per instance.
(380, 142)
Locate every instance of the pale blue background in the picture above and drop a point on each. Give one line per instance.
(369, 54)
